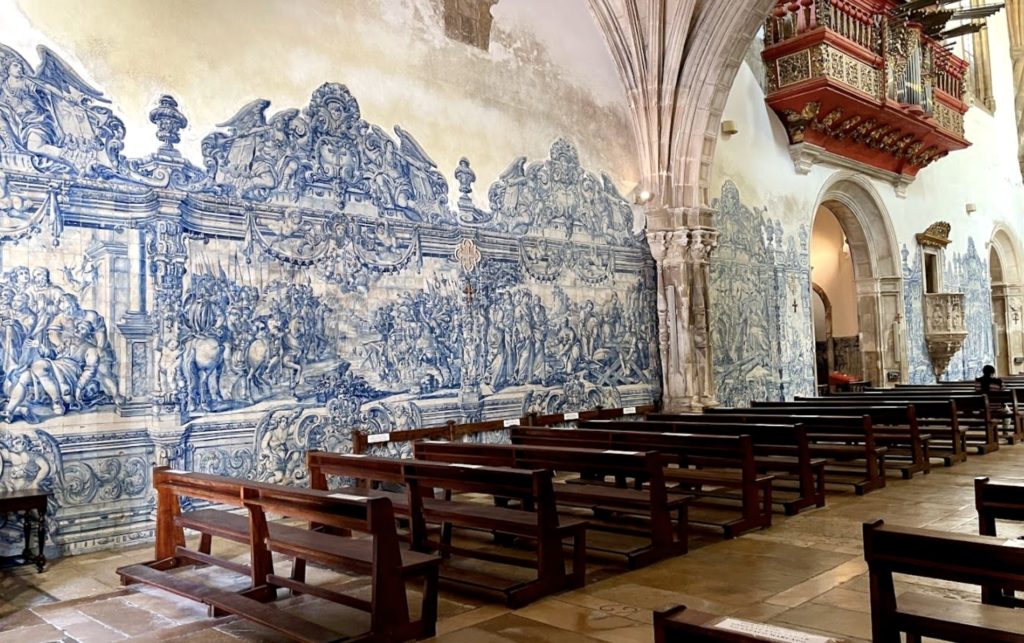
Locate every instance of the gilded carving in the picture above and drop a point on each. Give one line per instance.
(797, 122)
(822, 61)
(861, 132)
(794, 68)
(949, 119)
(847, 126)
(936, 236)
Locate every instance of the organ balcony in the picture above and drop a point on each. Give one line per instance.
(857, 85)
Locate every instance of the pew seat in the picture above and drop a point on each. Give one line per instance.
(253, 610)
(983, 561)
(645, 511)
(332, 518)
(287, 538)
(542, 527)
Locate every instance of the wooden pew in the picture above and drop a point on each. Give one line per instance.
(902, 425)
(650, 501)
(998, 501)
(681, 625)
(542, 526)
(895, 427)
(976, 560)
(329, 514)
(453, 431)
(846, 442)
(629, 412)
(727, 466)
(937, 418)
(972, 412)
(1007, 405)
(361, 442)
(781, 450)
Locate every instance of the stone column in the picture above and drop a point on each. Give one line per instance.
(1015, 22)
(681, 256)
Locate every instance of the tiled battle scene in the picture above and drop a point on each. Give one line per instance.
(804, 572)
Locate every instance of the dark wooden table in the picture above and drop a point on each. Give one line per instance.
(31, 504)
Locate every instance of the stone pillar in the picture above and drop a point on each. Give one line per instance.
(681, 256)
(1015, 22)
(1008, 318)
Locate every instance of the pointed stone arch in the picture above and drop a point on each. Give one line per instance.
(878, 275)
(677, 60)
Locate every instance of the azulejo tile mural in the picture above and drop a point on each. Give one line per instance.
(967, 273)
(760, 286)
(310, 279)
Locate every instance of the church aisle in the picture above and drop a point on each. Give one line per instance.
(806, 571)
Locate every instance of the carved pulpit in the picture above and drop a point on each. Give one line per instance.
(944, 327)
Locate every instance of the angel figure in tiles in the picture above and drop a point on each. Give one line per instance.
(51, 119)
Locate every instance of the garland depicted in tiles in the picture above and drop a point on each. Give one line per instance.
(310, 279)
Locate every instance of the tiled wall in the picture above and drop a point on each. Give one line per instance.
(967, 273)
(310, 279)
(762, 333)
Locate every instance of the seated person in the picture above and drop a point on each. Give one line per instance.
(987, 382)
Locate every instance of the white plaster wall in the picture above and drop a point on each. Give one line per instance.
(832, 269)
(547, 74)
(986, 174)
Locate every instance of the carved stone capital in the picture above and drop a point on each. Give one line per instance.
(658, 241)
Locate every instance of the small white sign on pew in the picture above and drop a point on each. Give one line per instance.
(771, 632)
(347, 496)
(377, 438)
(570, 416)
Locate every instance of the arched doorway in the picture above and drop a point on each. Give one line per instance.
(821, 310)
(832, 281)
(1007, 325)
(873, 280)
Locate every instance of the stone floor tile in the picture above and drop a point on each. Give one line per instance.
(120, 615)
(827, 618)
(595, 623)
(510, 628)
(812, 587)
(40, 633)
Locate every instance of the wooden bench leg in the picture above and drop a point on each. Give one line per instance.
(298, 573)
(682, 529)
(428, 610)
(579, 558)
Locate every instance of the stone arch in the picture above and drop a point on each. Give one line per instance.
(878, 275)
(1007, 301)
(829, 351)
(1005, 245)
